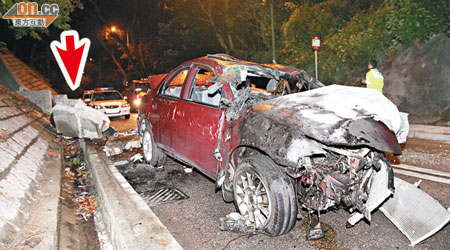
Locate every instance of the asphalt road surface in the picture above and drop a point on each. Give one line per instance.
(122, 125)
(194, 222)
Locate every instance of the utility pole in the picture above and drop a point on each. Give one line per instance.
(273, 33)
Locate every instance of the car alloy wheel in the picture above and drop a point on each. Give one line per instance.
(252, 199)
(264, 195)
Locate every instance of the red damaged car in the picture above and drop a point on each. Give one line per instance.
(270, 135)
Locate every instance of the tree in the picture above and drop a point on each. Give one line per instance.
(323, 19)
(132, 44)
(409, 20)
(240, 28)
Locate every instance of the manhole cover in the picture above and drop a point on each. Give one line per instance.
(164, 195)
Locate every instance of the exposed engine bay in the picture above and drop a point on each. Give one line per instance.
(337, 179)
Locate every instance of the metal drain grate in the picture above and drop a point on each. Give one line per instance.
(164, 195)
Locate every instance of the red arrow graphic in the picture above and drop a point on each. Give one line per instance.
(71, 56)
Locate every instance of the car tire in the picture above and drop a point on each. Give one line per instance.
(127, 117)
(264, 194)
(161, 158)
(227, 190)
(149, 148)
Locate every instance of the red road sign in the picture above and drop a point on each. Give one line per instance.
(315, 43)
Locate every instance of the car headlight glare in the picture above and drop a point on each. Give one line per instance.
(137, 101)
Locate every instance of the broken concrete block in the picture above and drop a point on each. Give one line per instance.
(59, 98)
(41, 98)
(73, 118)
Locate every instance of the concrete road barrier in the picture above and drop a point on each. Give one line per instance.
(41, 98)
(429, 132)
(129, 222)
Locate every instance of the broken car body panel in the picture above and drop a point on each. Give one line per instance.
(288, 127)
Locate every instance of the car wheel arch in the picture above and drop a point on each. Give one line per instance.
(249, 151)
(280, 161)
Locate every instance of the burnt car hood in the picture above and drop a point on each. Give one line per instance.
(340, 115)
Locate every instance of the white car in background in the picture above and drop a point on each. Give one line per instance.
(107, 100)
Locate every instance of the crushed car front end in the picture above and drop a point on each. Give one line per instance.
(330, 140)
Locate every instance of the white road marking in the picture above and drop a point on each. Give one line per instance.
(423, 176)
(423, 170)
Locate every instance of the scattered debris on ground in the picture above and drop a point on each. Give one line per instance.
(78, 200)
(152, 183)
(236, 223)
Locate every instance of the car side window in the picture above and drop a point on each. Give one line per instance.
(174, 86)
(199, 93)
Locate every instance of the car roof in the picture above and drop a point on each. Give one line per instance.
(223, 61)
(109, 90)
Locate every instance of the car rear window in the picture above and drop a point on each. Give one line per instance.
(141, 87)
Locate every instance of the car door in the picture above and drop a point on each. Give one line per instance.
(164, 111)
(199, 116)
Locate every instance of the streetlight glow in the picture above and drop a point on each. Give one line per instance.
(113, 28)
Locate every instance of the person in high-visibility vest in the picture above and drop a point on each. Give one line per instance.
(374, 79)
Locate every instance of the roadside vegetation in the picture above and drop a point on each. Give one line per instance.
(151, 37)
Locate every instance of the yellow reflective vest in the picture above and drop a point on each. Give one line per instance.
(375, 80)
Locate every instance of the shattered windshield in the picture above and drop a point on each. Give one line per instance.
(107, 96)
